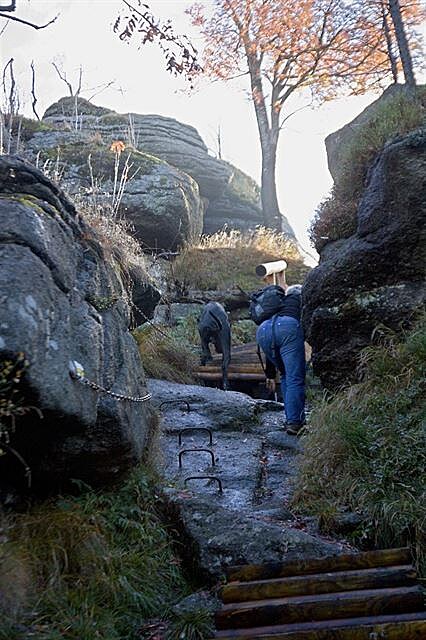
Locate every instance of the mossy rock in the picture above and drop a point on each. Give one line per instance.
(29, 127)
(102, 159)
(243, 186)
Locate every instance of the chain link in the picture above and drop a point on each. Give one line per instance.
(76, 372)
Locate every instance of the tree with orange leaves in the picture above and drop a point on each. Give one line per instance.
(329, 47)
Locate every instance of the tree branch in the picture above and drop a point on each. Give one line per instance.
(29, 24)
(34, 102)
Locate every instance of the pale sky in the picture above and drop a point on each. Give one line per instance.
(82, 35)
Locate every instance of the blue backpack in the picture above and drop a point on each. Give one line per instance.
(266, 302)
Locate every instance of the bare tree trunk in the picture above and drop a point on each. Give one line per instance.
(268, 141)
(401, 38)
(268, 188)
(389, 44)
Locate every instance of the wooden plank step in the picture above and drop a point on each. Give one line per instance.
(319, 583)
(347, 604)
(242, 368)
(231, 376)
(406, 626)
(344, 562)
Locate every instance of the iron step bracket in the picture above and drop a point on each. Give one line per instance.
(195, 450)
(206, 478)
(182, 431)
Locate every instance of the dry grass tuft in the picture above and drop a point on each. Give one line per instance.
(228, 258)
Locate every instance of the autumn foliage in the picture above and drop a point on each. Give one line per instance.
(322, 47)
(324, 44)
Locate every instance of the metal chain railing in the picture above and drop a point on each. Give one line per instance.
(76, 372)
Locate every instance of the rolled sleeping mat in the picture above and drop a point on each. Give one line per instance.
(269, 268)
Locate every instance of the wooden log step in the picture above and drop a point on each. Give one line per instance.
(347, 604)
(406, 626)
(319, 583)
(344, 562)
(243, 368)
(231, 376)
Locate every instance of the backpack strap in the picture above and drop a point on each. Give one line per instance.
(275, 349)
(217, 320)
(259, 355)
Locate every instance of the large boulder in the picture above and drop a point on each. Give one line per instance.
(232, 197)
(63, 299)
(339, 141)
(161, 202)
(375, 277)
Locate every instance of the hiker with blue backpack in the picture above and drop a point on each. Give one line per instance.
(277, 310)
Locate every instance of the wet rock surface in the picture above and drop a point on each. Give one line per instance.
(255, 460)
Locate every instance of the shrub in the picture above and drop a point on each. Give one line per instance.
(366, 448)
(228, 259)
(397, 115)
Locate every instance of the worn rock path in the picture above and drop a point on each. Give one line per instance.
(256, 462)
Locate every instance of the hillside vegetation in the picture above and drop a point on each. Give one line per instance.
(335, 218)
(365, 450)
(228, 258)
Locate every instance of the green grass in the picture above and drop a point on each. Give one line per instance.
(335, 218)
(95, 566)
(365, 449)
(191, 625)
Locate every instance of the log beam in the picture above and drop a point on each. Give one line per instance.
(348, 604)
(344, 562)
(319, 583)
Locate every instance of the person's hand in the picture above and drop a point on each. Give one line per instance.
(270, 384)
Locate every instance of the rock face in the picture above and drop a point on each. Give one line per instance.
(62, 299)
(375, 277)
(231, 196)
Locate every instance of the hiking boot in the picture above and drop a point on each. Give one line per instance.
(293, 428)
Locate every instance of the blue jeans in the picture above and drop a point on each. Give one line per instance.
(281, 338)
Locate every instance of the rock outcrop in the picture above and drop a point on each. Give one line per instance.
(231, 197)
(62, 299)
(337, 142)
(161, 202)
(376, 276)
